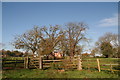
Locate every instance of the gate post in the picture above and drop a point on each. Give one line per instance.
(98, 63)
(26, 62)
(79, 63)
(40, 63)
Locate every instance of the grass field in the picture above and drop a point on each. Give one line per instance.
(52, 73)
(34, 73)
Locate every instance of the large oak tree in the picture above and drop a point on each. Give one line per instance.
(39, 40)
(75, 33)
(30, 40)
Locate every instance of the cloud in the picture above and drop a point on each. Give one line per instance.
(109, 22)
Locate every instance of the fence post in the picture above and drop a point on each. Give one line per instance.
(26, 62)
(40, 63)
(111, 67)
(79, 63)
(98, 63)
(88, 65)
(15, 63)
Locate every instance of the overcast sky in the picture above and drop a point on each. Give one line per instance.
(17, 18)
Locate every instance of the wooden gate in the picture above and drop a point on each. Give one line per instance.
(33, 62)
(64, 63)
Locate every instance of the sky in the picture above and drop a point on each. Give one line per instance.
(18, 17)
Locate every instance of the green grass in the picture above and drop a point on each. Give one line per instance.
(34, 73)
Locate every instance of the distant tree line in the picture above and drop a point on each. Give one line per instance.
(8, 53)
(108, 46)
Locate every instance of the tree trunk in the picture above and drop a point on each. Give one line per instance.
(33, 53)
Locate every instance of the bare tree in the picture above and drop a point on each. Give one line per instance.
(75, 32)
(30, 40)
(52, 36)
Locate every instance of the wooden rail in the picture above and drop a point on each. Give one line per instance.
(53, 60)
(99, 64)
(109, 64)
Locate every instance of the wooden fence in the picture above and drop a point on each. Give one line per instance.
(12, 64)
(77, 63)
(99, 64)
